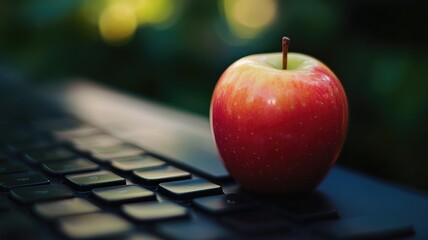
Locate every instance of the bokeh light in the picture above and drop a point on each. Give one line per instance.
(154, 11)
(248, 18)
(117, 22)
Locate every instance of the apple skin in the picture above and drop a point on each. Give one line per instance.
(279, 131)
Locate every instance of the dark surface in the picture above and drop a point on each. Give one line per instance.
(376, 227)
(313, 207)
(222, 204)
(198, 230)
(257, 222)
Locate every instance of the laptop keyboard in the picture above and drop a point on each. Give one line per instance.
(83, 183)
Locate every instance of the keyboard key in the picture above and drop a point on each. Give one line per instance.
(137, 162)
(88, 181)
(190, 188)
(309, 208)
(156, 211)
(100, 140)
(375, 227)
(7, 167)
(21, 180)
(106, 158)
(106, 154)
(116, 148)
(123, 194)
(192, 230)
(94, 225)
(50, 155)
(221, 204)
(62, 167)
(40, 193)
(79, 131)
(256, 222)
(158, 175)
(62, 208)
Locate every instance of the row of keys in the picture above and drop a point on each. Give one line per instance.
(182, 189)
(99, 145)
(90, 140)
(150, 212)
(218, 204)
(179, 190)
(142, 211)
(250, 222)
(140, 204)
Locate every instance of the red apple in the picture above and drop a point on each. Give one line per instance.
(279, 131)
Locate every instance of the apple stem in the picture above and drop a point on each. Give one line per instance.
(285, 44)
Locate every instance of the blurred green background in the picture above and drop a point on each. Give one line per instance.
(175, 51)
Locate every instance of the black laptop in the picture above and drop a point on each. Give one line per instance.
(81, 161)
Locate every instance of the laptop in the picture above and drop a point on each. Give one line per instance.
(83, 161)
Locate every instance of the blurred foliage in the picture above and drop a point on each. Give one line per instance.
(174, 52)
